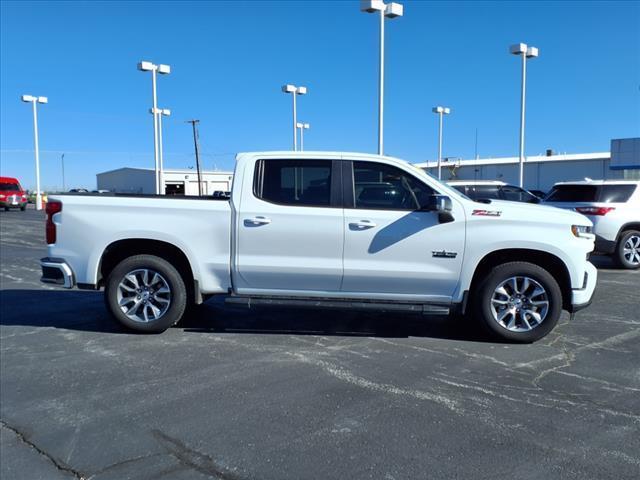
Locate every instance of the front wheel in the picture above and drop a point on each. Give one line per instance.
(519, 302)
(146, 293)
(627, 253)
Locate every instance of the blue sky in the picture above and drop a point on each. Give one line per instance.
(229, 60)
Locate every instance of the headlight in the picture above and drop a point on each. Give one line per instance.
(582, 231)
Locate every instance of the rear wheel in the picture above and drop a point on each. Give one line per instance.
(627, 253)
(146, 293)
(23, 207)
(519, 302)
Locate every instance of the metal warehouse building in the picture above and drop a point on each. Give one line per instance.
(176, 182)
(541, 172)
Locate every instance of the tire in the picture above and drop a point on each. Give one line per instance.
(627, 254)
(527, 318)
(153, 304)
(6, 209)
(23, 208)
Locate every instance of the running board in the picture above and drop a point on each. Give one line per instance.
(424, 309)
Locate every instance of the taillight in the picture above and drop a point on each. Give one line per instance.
(594, 210)
(53, 207)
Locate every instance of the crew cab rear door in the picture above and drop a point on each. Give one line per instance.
(290, 228)
(392, 248)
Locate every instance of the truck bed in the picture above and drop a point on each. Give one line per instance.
(199, 226)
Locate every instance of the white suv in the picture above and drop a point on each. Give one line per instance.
(614, 208)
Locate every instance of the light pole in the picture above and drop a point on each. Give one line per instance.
(161, 112)
(34, 100)
(440, 111)
(302, 127)
(64, 187)
(163, 70)
(293, 90)
(389, 10)
(526, 52)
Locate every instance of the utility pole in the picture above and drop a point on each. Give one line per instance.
(64, 188)
(195, 142)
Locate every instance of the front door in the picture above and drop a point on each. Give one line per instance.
(290, 229)
(392, 249)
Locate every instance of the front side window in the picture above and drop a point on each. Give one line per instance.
(485, 191)
(517, 194)
(294, 182)
(383, 187)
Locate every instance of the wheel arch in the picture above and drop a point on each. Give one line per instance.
(551, 263)
(626, 227)
(119, 250)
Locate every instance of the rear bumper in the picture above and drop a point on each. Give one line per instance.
(582, 297)
(57, 271)
(605, 246)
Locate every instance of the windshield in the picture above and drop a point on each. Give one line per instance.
(9, 187)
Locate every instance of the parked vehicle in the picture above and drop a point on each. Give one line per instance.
(614, 208)
(493, 190)
(325, 230)
(538, 193)
(11, 194)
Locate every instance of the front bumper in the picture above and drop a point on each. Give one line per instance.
(57, 271)
(9, 202)
(582, 297)
(605, 246)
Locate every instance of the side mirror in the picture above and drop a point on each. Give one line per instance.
(438, 203)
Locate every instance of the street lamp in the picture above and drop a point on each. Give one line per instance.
(440, 111)
(160, 112)
(34, 100)
(526, 52)
(389, 10)
(302, 127)
(163, 70)
(293, 90)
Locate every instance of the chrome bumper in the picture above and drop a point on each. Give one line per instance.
(56, 270)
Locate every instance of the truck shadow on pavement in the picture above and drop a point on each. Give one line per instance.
(85, 311)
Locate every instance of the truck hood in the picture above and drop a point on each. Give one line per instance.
(526, 212)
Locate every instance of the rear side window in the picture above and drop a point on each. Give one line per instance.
(294, 182)
(616, 193)
(573, 193)
(9, 187)
(591, 193)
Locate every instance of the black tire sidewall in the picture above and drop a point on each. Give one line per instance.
(512, 269)
(170, 274)
(619, 255)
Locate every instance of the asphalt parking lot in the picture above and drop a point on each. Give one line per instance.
(301, 394)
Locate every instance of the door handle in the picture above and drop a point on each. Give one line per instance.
(362, 225)
(257, 221)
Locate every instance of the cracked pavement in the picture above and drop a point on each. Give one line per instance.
(278, 394)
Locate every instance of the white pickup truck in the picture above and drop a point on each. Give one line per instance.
(331, 230)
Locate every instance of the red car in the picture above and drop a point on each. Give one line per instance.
(11, 194)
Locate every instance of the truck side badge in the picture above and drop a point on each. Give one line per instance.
(487, 213)
(444, 254)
